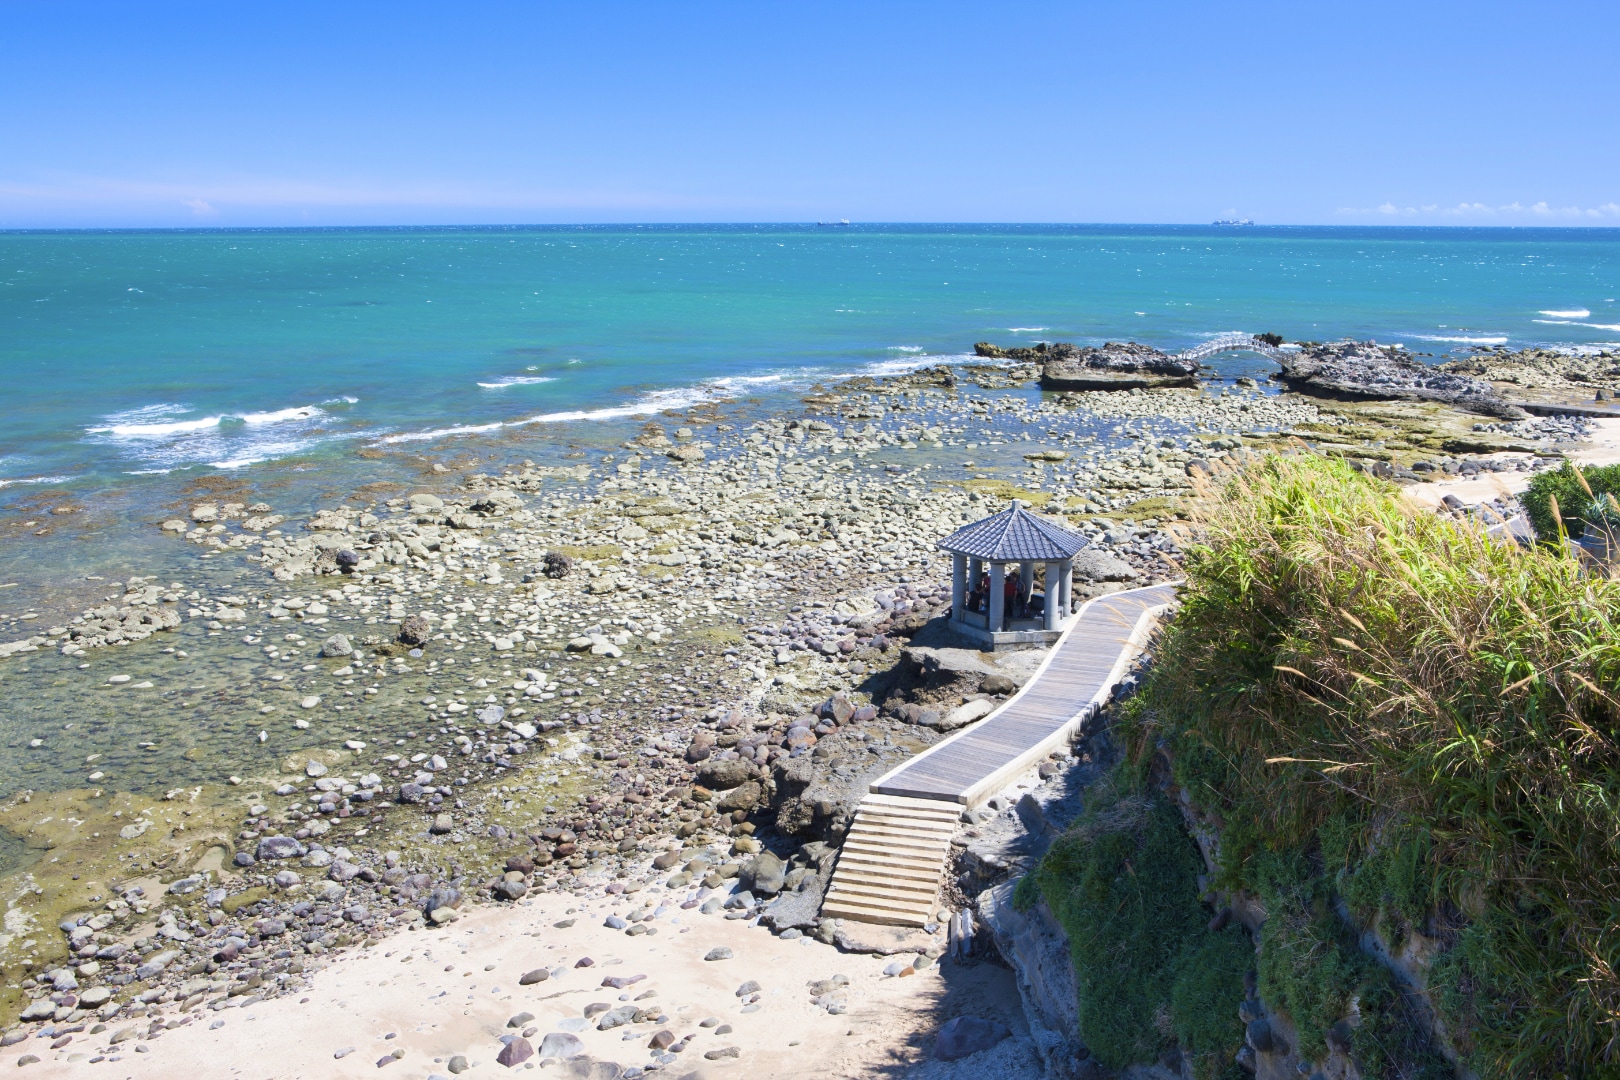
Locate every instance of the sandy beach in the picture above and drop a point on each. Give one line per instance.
(428, 996)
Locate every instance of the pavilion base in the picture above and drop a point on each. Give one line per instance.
(991, 641)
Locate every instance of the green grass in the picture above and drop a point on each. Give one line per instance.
(1381, 706)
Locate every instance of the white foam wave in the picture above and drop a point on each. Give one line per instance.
(516, 380)
(162, 437)
(745, 382)
(1572, 313)
(906, 348)
(1459, 339)
(281, 416)
(158, 431)
(8, 481)
(900, 365)
(342, 399)
(1026, 329)
(682, 397)
(1568, 322)
(152, 421)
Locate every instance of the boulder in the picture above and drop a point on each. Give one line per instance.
(280, 847)
(966, 713)
(763, 874)
(516, 1051)
(561, 1044)
(962, 1036)
(1093, 564)
(1365, 370)
(966, 669)
(725, 775)
(745, 796)
(414, 631)
(335, 646)
(998, 684)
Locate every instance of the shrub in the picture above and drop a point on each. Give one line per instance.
(1123, 883)
(1575, 499)
(1383, 701)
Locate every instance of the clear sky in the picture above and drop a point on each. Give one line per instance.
(1305, 112)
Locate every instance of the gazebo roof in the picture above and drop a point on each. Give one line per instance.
(1015, 535)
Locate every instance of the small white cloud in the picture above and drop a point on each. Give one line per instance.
(1388, 209)
(200, 207)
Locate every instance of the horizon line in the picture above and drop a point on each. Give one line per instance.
(808, 224)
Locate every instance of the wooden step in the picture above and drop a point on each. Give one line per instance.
(889, 868)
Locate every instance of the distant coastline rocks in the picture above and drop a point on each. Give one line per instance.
(1114, 366)
(1366, 370)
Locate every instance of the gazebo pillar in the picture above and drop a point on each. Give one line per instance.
(1068, 587)
(998, 600)
(959, 571)
(1054, 595)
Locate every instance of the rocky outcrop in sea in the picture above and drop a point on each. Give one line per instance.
(1114, 366)
(1366, 370)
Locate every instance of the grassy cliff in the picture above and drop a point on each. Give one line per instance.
(1396, 726)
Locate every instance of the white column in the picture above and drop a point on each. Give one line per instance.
(1054, 594)
(958, 585)
(1068, 588)
(998, 605)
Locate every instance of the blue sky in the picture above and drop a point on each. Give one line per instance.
(398, 113)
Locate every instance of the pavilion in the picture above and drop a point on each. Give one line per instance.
(1017, 538)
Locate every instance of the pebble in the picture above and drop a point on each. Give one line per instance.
(719, 952)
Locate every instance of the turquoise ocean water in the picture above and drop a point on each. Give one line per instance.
(130, 354)
(133, 363)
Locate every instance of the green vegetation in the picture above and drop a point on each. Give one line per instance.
(1388, 715)
(1123, 884)
(1583, 496)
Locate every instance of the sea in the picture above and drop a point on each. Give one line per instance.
(144, 371)
(301, 363)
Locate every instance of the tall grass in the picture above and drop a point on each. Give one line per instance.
(1347, 665)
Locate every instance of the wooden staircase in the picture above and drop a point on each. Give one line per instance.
(889, 867)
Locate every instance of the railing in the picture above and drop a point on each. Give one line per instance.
(1232, 343)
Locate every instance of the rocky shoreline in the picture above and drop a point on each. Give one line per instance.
(670, 671)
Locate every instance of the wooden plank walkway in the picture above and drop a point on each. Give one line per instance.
(1075, 681)
(889, 868)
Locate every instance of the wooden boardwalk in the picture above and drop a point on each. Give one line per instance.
(907, 819)
(1074, 682)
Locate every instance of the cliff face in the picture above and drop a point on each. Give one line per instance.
(1129, 963)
